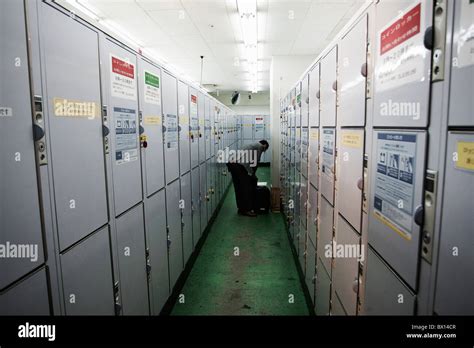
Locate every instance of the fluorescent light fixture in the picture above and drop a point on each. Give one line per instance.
(248, 21)
(92, 13)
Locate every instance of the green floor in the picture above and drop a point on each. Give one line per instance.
(262, 280)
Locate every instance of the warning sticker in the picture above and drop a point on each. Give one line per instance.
(171, 134)
(152, 89)
(126, 135)
(122, 79)
(184, 120)
(193, 106)
(352, 139)
(394, 181)
(465, 37)
(152, 120)
(314, 133)
(401, 53)
(328, 152)
(465, 152)
(6, 112)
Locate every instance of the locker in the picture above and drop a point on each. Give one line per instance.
(352, 69)
(149, 92)
(396, 199)
(157, 244)
(79, 177)
(385, 293)
(314, 96)
(187, 216)
(29, 297)
(304, 202)
(247, 127)
(345, 276)
(196, 206)
(350, 179)
(20, 222)
(207, 126)
(312, 214)
(337, 309)
(213, 193)
(402, 63)
(462, 70)
(455, 284)
(328, 89)
(170, 134)
(325, 237)
(323, 289)
(203, 196)
(305, 102)
(313, 157)
(175, 238)
(304, 151)
(297, 210)
(183, 112)
(327, 163)
(132, 262)
(201, 115)
(118, 65)
(310, 275)
(87, 276)
(193, 111)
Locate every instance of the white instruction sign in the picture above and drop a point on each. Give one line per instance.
(152, 93)
(171, 134)
(122, 79)
(126, 135)
(328, 151)
(465, 39)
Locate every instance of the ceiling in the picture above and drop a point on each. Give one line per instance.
(180, 31)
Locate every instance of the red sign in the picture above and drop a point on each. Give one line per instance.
(401, 30)
(123, 68)
(193, 99)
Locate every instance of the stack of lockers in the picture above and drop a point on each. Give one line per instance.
(255, 128)
(384, 215)
(109, 195)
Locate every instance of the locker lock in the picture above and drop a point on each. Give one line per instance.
(334, 86)
(363, 70)
(360, 184)
(419, 215)
(318, 94)
(143, 141)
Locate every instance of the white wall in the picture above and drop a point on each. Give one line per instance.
(284, 73)
(259, 104)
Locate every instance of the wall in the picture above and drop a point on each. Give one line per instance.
(259, 104)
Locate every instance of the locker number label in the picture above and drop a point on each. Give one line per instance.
(6, 112)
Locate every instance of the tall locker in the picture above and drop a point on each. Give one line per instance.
(175, 238)
(201, 115)
(184, 129)
(327, 163)
(194, 127)
(196, 205)
(186, 206)
(203, 196)
(207, 126)
(170, 129)
(328, 89)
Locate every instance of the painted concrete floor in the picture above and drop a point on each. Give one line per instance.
(261, 280)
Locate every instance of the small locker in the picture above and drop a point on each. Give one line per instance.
(328, 89)
(184, 129)
(175, 238)
(186, 206)
(170, 129)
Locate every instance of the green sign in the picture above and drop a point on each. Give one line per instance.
(152, 80)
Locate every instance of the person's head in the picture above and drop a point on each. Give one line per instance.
(265, 144)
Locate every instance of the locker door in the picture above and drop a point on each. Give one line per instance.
(312, 214)
(196, 206)
(402, 63)
(207, 127)
(345, 276)
(20, 222)
(183, 112)
(203, 195)
(213, 116)
(385, 293)
(455, 283)
(201, 115)
(352, 65)
(325, 238)
(305, 102)
(396, 197)
(119, 82)
(150, 107)
(87, 276)
(323, 289)
(310, 269)
(29, 297)
(157, 243)
(304, 151)
(304, 201)
(337, 308)
(193, 106)
(259, 128)
(170, 113)
(187, 218)
(314, 95)
(462, 70)
(209, 177)
(328, 89)
(313, 157)
(247, 127)
(350, 179)
(79, 177)
(327, 163)
(175, 240)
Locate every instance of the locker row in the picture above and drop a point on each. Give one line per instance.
(109, 172)
(377, 175)
(256, 128)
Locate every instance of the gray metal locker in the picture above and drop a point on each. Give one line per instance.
(310, 275)
(337, 309)
(323, 289)
(201, 115)
(314, 96)
(325, 238)
(312, 213)
(247, 127)
(402, 71)
(204, 197)
(194, 124)
(328, 89)
(29, 297)
(175, 238)
(352, 72)
(305, 101)
(313, 157)
(455, 282)
(79, 177)
(350, 178)
(304, 151)
(207, 126)
(328, 146)
(132, 262)
(345, 274)
(87, 276)
(119, 83)
(20, 222)
(398, 172)
(184, 137)
(304, 202)
(259, 128)
(196, 205)
(210, 185)
(186, 216)
(385, 293)
(213, 116)
(149, 92)
(170, 114)
(157, 244)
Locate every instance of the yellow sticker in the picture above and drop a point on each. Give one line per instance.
(76, 108)
(314, 134)
(351, 139)
(465, 155)
(152, 120)
(183, 119)
(201, 122)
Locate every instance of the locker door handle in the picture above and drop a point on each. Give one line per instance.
(428, 38)
(105, 131)
(141, 130)
(355, 285)
(363, 70)
(334, 86)
(360, 184)
(419, 215)
(38, 132)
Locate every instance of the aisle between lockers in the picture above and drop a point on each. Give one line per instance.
(262, 280)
